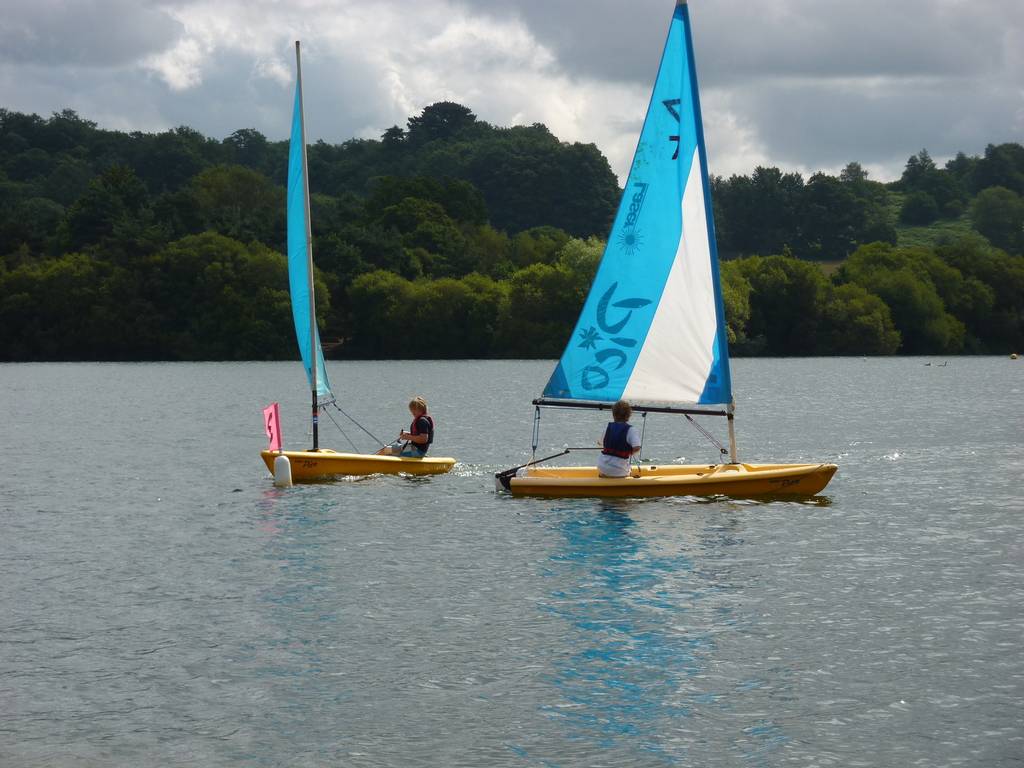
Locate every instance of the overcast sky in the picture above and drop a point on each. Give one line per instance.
(802, 84)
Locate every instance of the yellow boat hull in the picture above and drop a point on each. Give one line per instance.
(739, 480)
(324, 464)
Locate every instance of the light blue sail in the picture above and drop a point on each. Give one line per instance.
(300, 262)
(652, 328)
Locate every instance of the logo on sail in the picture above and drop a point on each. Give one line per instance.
(597, 374)
(630, 237)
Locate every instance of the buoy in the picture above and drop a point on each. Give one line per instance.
(282, 472)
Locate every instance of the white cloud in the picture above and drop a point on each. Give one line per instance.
(801, 84)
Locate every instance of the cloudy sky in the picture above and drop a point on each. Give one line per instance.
(802, 84)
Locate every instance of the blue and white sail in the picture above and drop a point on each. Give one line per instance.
(652, 329)
(300, 251)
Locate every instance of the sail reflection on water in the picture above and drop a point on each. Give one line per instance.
(643, 598)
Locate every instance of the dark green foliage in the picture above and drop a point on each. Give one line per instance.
(856, 322)
(459, 199)
(204, 297)
(115, 201)
(779, 305)
(834, 218)
(250, 148)
(440, 121)
(736, 290)
(785, 299)
(760, 213)
(998, 214)
(994, 275)
(216, 299)
(240, 203)
(428, 233)
(457, 238)
(543, 303)
(915, 284)
(922, 176)
(919, 208)
(824, 219)
(53, 310)
(1002, 166)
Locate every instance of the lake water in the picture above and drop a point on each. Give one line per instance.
(163, 604)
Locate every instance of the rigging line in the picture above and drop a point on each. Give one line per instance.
(643, 431)
(335, 404)
(512, 471)
(721, 449)
(331, 417)
(536, 430)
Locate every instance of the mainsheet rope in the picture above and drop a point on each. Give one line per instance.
(335, 404)
(345, 434)
(721, 449)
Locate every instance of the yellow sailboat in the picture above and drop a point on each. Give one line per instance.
(319, 463)
(324, 463)
(652, 330)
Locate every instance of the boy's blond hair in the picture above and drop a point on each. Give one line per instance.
(418, 404)
(622, 410)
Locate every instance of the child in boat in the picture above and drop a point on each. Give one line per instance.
(417, 440)
(621, 440)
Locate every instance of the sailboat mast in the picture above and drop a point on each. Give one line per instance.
(732, 432)
(309, 253)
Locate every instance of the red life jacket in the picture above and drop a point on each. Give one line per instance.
(615, 442)
(430, 432)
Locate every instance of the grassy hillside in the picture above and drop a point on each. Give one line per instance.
(930, 235)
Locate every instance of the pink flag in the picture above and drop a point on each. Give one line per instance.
(272, 426)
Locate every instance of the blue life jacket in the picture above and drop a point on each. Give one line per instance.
(615, 442)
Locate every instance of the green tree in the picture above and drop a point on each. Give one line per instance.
(114, 201)
(47, 310)
(1001, 327)
(736, 291)
(922, 176)
(37, 220)
(463, 317)
(856, 322)
(460, 199)
(538, 245)
(383, 316)
(758, 214)
(217, 299)
(998, 214)
(441, 120)
(240, 203)
(919, 208)
(68, 181)
(1002, 166)
(168, 160)
(489, 250)
(30, 165)
(540, 312)
(785, 303)
(250, 148)
(833, 218)
(909, 282)
(429, 232)
(581, 257)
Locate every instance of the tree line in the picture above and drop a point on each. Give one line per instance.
(454, 238)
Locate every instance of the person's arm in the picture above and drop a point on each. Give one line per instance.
(631, 436)
(420, 439)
